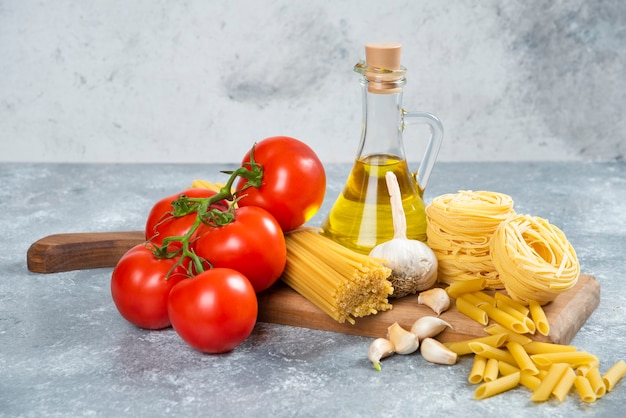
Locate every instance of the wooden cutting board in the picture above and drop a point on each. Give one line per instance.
(282, 305)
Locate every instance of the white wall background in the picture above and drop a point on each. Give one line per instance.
(200, 80)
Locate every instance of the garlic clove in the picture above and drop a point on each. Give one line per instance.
(435, 352)
(436, 299)
(378, 350)
(405, 342)
(429, 326)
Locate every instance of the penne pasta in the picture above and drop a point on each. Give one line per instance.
(497, 386)
(502, 299)
(573, 358)
(543, 391)
(485, 297)
(538, 316)
(595, 379)
(584, 389)
(471, 311)
(615, 373)
(522, 358)
(478, 369)
(473, 299)
(462, 347)
(539, 347)
(564, 385)
(488, 352)
(467, 286)
(504, 319)
(493, 329)
(519, 316)
(491, 370)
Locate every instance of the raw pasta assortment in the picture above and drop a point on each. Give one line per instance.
(501, 267)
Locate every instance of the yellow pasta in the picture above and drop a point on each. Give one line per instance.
(538, 316)
(478, 369)
(522, 358)
(504, 319)
(502, 299)
(491, 370)
(471, 311)
(540, 347)
(542, 393)
(564, 385)
(615, 373)
(485, 298)
(463, 347)
(584, 389)
(534, 259)
(595, 379)
(493, 329)
(573, 358)
(530, 325)
(468, 286)
(497, 386)
(488, 352)
(203, 184)
(459, 227)
(342, 283)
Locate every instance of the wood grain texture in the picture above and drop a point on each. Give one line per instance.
(282, 305)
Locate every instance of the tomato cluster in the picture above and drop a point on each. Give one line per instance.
(207, 254)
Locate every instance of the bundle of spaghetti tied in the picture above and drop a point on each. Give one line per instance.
(459, 227)
(339, 281)
(534, 258)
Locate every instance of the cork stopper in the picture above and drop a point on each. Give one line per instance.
(383, 55)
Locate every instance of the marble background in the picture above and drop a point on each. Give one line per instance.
(200, 81)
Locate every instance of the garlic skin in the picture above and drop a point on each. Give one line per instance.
(436, 299)
(413, 263)
(405, 342)
(435, 352)
(428, 327)
(378, 350)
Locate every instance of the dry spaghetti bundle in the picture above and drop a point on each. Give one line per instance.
(534, 258)
(339, 281)
(459, 227)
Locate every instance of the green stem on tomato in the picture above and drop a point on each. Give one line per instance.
(252, 172)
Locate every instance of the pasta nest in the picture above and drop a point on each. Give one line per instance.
(534, 258)
(459, 229)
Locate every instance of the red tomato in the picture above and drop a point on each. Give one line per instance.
(139, 287)
(253, 244)
(161, 223)
(214, 311)
(294, 181)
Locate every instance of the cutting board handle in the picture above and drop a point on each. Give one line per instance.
(80, 251)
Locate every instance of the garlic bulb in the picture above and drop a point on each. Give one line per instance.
(413, 263)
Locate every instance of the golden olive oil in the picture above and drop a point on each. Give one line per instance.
(361, 217)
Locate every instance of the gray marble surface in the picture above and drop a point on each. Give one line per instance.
(65, 351)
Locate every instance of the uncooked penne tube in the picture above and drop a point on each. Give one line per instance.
(530, 381)
(573, 358)
(462, 347)
(501, 298)
(615, 373)
(538, 316)
(491, 352)
(485, 297)
(522, 358)
(595, 379)
(493, 329)
(504, 319)
(471, 311)
(519, 316)
(564, 385)
(542, 393)
(478, 369)
(465, 286)
(497, 386)
(584, 389)
(491, 370)
(539, 347)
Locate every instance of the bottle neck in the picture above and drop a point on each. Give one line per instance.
(382, 125)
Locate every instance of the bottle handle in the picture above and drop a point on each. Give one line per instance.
(422, 175)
